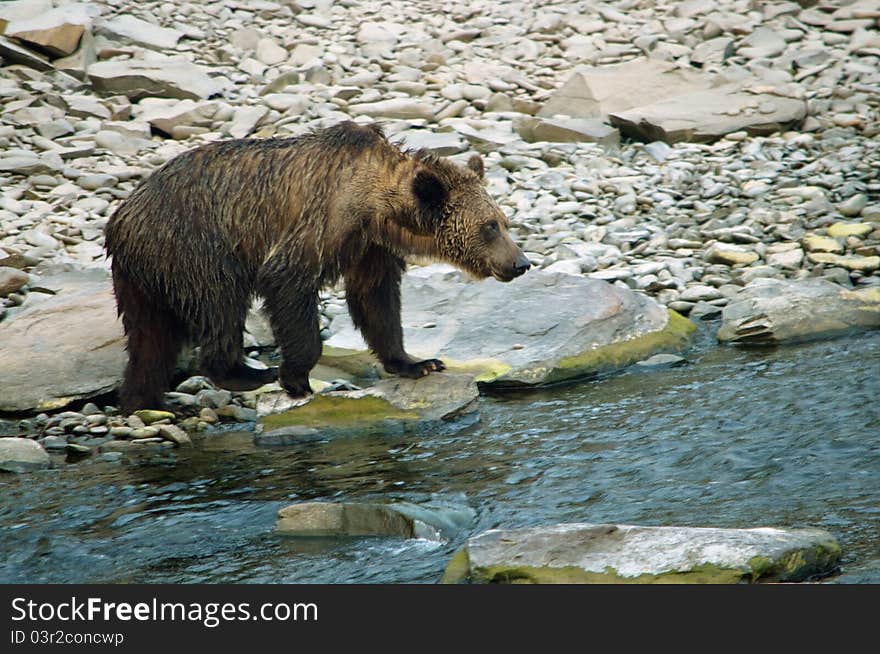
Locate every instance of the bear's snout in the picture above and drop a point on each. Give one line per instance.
(521, 265)
(517, 267)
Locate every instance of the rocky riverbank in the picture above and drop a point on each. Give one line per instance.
(678, 151)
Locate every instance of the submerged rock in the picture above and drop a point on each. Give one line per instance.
(590, 553)
(22, 455)
(769, 311)
(403, 520)
(62, 348)
(540, 329)
(391, 405)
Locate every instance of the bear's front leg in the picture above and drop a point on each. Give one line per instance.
(293, 313)
(372, 290)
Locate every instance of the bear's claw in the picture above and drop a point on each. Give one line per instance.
(416, 369)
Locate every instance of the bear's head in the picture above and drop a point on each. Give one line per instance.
(467, 226)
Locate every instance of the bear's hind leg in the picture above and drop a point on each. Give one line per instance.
(154, 340)
(372, 290)
(223, 350)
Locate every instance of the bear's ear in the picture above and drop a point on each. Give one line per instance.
(475, 163)
(429, 188)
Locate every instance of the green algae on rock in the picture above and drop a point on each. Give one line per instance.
(395, 404)
(625, 554)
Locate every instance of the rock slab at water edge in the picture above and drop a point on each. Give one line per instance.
(769, 311)
(539, 329)
(591, 553)
(66, 347)
(393, 405)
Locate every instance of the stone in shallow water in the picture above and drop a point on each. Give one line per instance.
(56, 31)
(539, 329)
(22, 455)
(842, 230)
(403, 520)
(770, 311)
(591, 553)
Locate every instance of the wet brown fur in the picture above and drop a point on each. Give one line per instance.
(281, 218)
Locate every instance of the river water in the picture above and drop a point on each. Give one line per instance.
(786, 437)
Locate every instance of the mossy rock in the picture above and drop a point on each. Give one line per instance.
(393, 405)
(626, 554)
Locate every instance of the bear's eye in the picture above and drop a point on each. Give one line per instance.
(490, 229)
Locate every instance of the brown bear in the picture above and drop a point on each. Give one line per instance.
(281, 218)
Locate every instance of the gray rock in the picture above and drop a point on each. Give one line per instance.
(394, 404)
(165, 79)
(15, 53)
(442, 143)
(11, 279)
(661, 361)
(56, 31)
(175, 434)
(545, 327)
(13, 10)
(270, 52)
(134, 30)
(97, 181)
(74, 341)
(853, 206)
(591, 553)
(707, 115)
(712, 51)
(769, 311)
(568, 130)
(762, 42)
(22, 455)
(167, 115)
(596, 91)
(402, 520)
(402, 108)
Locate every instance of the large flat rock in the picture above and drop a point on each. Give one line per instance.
(770, 311)
(540, 329)
(596, 91)
(140, 32)
(63, 348)
(164, 79)
(55, 31)
(707, 115)
(394, 405)
(591, 553)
